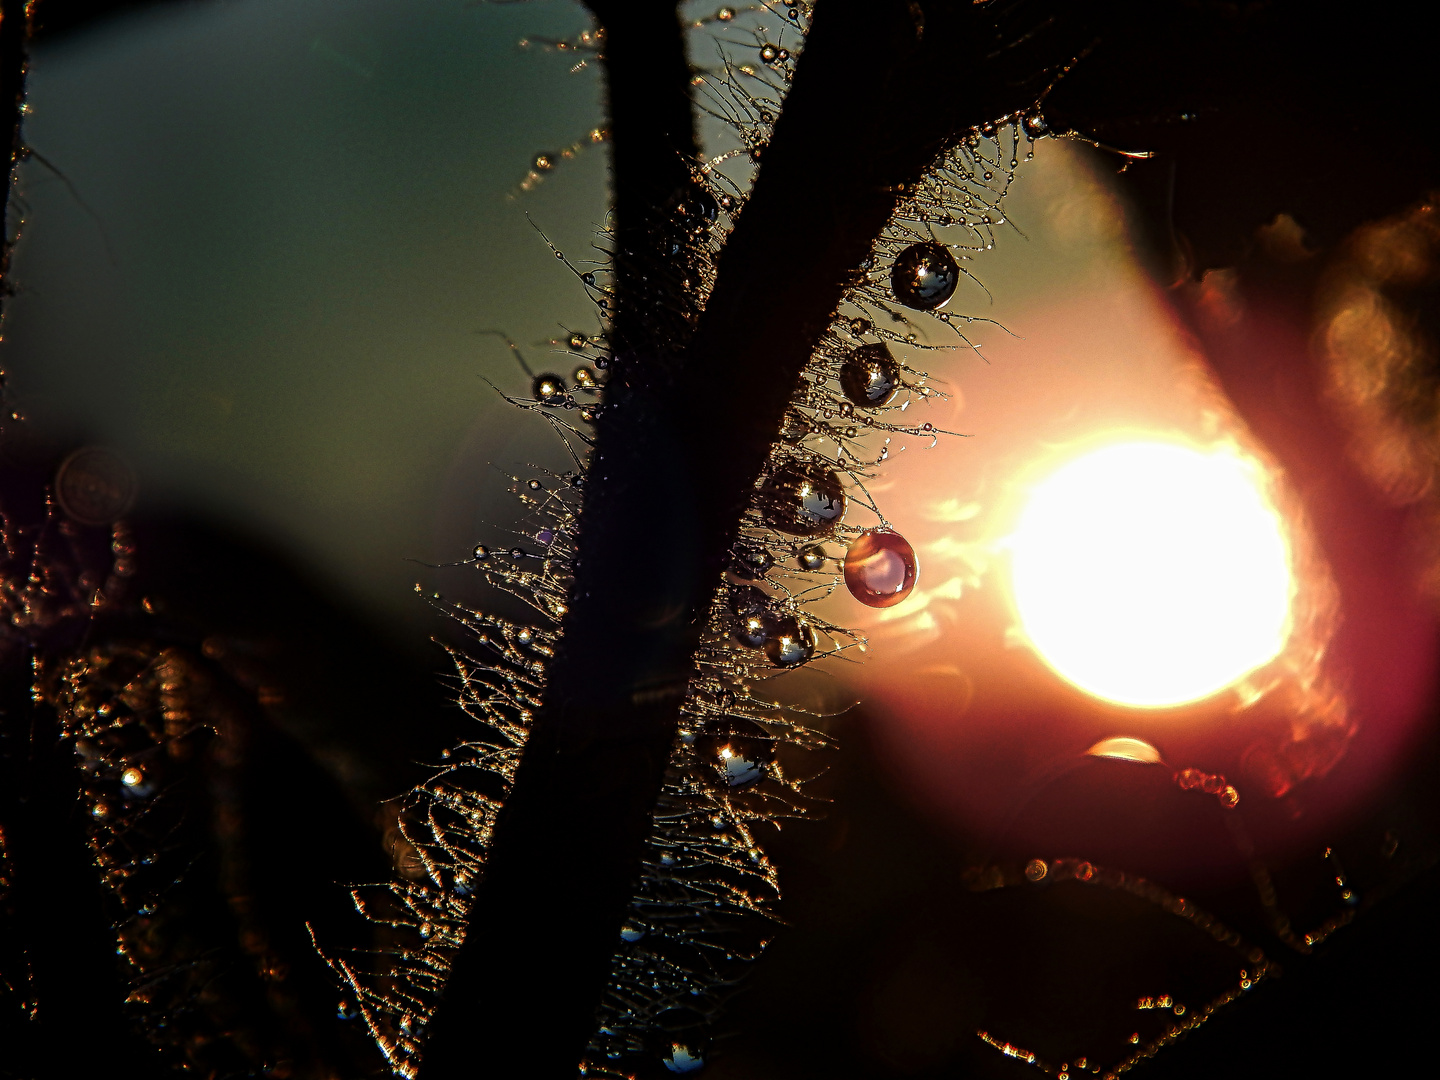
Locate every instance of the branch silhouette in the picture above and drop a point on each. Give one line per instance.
(694, 400)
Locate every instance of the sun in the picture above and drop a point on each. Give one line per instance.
(1152, 573)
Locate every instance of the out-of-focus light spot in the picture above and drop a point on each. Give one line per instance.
(1124, 748)
(1151, 573)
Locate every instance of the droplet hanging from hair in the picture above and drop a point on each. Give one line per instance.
(880, 568)
(870, 375)
(791, 642)
(549, 389)
(924, 276)
(739, 750)
(803, 500)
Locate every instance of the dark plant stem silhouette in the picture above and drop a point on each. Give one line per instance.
(688, 419)
(694, 400)
(14, 57)
(50, 888)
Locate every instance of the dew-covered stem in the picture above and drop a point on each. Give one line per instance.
(688, 421)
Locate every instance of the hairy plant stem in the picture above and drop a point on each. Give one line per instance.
(688, 422)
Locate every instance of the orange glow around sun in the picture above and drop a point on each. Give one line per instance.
(1151, 573)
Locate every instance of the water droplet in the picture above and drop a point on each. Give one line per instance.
(682, 1058)
(1035, 126)
(860, 326)
(1126, 748)
(579, 341)
(751, 561)
(753, 617)
(678, 1039)
(533, 485)
(132, 777)
(94, 486)
(100, 811)
(811, 557)
(769, 53)
(725, 14)
(1035, 870)
(632, 931)
(543, 162)
(480, 551)
(791, 642)
(880, 568)
(870, 375)
(427, 931)
(924, 276)
(525, 635)
(702, 205)
(549, 389)
(803, 499)
(739, 750)
(346, 1009)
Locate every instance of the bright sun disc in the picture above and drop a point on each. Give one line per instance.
(1152, 574)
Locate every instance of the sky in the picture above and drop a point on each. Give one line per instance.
(284, 224)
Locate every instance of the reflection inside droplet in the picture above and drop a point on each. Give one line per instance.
(870, 375)
(790, 642)
(739, 750)
(1126, 748)
(880, 568)
(924, 276)
(803, 500)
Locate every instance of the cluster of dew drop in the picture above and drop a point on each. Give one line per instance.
(707, 891)
(705, 899)
(445, 823)
(146, 730)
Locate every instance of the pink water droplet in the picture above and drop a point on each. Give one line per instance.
(880, 568)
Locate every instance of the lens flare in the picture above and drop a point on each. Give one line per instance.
(1153, 574)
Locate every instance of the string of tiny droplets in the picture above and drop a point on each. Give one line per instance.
(1037, 871)
(1258, 965)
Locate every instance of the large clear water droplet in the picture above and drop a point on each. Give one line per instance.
(870, 375)
(791, 642)
(739, 750)
(924, 276)
(804, 500)
(880, 568)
